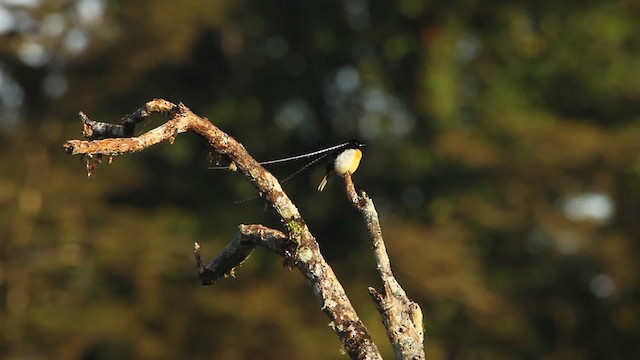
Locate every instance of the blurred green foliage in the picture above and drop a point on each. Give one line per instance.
(503, 157)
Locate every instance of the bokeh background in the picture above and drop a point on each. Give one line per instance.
(503, 157)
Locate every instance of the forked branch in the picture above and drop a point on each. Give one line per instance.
(401, 316)
(300, 248)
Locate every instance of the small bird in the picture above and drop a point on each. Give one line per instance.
(344, 158)
(343, 161)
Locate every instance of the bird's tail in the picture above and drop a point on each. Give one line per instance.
(323, 183)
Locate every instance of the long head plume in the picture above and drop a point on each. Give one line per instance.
(297, 157)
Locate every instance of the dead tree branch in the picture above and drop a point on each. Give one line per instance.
(401, 316)
(238, 250)
(300, 249)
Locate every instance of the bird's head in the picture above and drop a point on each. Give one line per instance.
(354, 144)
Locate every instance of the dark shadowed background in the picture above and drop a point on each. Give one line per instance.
(503, 155)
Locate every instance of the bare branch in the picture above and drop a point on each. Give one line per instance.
(401, 316)
(304, 252)
(113, 144)
(238, 250)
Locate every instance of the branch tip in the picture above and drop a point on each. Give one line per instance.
(68, 148)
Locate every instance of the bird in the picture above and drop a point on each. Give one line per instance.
(343, 157)
(343, 161)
